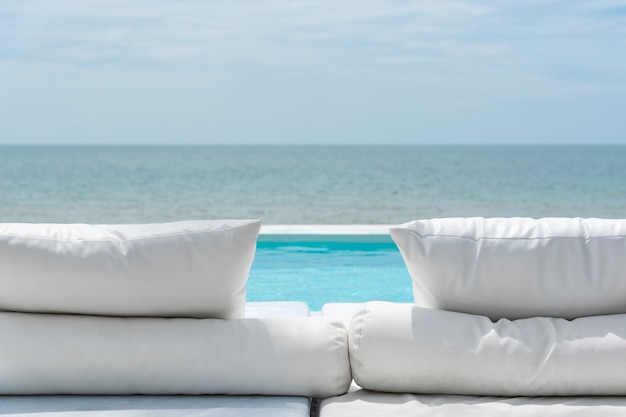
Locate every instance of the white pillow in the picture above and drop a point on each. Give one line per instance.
(63, 354)
(409, 349)
(517, 267)
(192, 268)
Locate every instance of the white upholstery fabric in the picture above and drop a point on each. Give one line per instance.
(153, 406)
(59, 354)
(260, 309)
(409, 349)
(365, 403)
(179, 269)
(343, 312)
(517, 267)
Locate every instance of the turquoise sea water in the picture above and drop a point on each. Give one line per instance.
(287, 185)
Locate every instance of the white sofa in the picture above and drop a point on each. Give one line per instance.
(515, 317)
(151, 320)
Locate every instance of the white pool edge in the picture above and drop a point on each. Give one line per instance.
(366, 233)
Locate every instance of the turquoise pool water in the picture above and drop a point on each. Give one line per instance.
(324, 272)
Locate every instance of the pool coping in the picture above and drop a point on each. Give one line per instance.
(366, 233)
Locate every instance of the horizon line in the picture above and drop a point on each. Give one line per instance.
(295, 145)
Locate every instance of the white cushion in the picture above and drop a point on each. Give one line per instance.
(153, 406)
(179, 269)
(63, 354)
(260, 309)
(365, 403)
(405, 348)
(517, 267)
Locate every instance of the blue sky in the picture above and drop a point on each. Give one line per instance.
(312, 72)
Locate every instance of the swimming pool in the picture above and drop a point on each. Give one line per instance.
(321, 265)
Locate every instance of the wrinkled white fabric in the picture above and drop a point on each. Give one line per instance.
(179, 269)
(409, 349)
(517, 267)
(62, 354)
(341, 311)
(365, 403)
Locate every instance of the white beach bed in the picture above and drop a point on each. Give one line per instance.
(149, 346)
(511, 357)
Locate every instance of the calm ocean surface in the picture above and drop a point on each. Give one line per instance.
(308, 185)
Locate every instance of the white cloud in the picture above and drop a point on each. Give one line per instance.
(224, 30)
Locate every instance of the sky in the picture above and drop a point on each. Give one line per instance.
(361, 72)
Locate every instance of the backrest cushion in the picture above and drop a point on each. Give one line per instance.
(70, 354)
(517, 267)
(405, 348)
(191, 268)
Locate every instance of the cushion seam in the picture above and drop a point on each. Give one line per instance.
(514, 237)
(358, 346)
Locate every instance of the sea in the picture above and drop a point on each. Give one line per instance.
(308, 184)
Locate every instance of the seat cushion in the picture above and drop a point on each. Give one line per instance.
(517, 267)
(63, 354)
(153, 406)
(365, 403)
(408, 349)
(179, 269)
